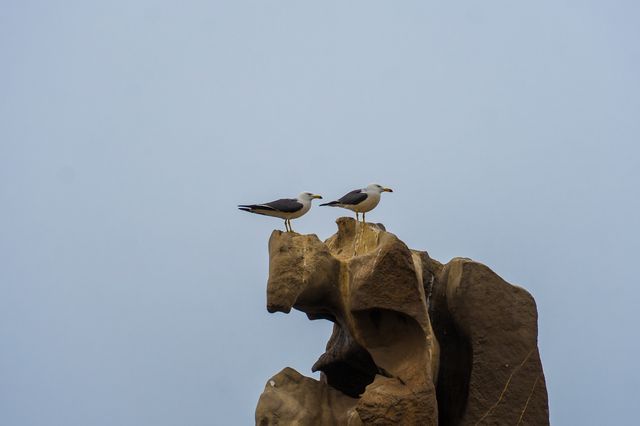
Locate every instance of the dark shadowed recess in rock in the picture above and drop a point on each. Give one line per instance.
(346, 365)
(349, 367)
(456, 358)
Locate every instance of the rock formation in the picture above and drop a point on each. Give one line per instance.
(414, 342)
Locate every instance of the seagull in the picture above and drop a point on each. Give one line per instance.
(360, 200)
(284, 208)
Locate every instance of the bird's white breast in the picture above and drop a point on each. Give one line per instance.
(373, 198)
(306, 205)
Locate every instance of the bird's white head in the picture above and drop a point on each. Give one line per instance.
(308, 196)
(374, 187)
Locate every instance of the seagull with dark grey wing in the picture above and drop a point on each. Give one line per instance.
(284, 208)
(360, 200)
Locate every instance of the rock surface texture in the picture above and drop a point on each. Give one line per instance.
(414, 342)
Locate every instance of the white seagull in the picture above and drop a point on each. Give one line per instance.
(360, 200)
(284, 208)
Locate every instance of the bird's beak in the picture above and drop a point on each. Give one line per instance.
(316, 196)
(387, 189)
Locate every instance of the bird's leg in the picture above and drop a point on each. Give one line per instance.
(364, 224)
(286, 226)
(358, 236)
(290, 228)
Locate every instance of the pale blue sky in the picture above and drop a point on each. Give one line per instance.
(132, 291)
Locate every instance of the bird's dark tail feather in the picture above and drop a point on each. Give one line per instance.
(332, 204)
(245, 209)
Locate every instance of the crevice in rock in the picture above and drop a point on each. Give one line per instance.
(350, 379)
(456, 360)
(346, 365)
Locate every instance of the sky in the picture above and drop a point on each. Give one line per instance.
(132, 291)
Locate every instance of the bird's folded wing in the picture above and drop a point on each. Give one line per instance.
(353, 197)
(285, 205)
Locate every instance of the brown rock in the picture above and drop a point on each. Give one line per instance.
(490, 367)
(302, 271)
(289, 398)
(389, 402)
(384, 359)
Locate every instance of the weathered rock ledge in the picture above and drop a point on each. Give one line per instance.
(414, 342)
